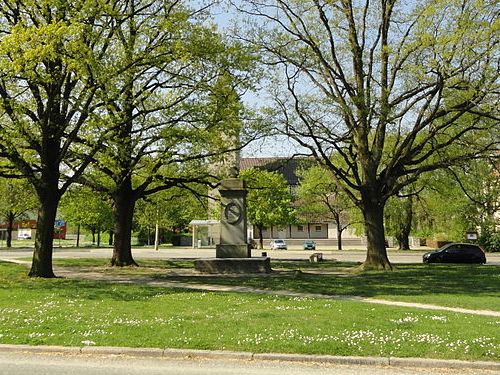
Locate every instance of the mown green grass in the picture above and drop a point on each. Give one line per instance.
(76, 313)
(466, 286)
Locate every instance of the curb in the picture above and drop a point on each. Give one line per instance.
(247, 356)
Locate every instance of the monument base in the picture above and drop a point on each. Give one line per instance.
(233, 251)
(234, 265)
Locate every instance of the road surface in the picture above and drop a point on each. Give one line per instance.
(189, 253)
(13, 363)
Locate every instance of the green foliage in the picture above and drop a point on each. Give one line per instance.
(82, 206)
(458, 200)
(321, 198)
(172, 209)
(269, 201)
(396, 89)
(17, 197)
(490, 240)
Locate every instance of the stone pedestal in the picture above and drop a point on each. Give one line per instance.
(233, 251)
(233, 254)
(233, 231)
(234, 265)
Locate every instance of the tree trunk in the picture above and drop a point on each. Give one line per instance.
(405, 229)
(44, 239)
(111, 233)
(339, 237)
(93, 236)
(123, 213)
(78, 236)
(261, 239)
(98, 237)
(339, 231)
(376, 256)
(10, 228)
(404, 243)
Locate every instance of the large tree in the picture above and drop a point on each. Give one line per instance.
(351, 73)
(47, 50)
(170, 87)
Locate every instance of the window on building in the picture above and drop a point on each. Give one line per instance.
(300, 228)
(318, 228)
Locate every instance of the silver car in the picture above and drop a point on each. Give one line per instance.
(278, 245)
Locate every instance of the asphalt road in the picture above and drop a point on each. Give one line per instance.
(350, 255)
(64, 364)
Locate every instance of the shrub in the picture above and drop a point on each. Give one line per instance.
(490, 241)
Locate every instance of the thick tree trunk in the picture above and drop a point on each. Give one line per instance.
(404, 243)
(123, 213)
(10, 228)
(376, 256)
(44, 239)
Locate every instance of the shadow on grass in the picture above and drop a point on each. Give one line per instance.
(342, 279)
(13, 277)
(103, 262)
(331, 278)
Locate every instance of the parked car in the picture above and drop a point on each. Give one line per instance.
(24, 236)
(456, 253)
(278, 244)
(309, 245)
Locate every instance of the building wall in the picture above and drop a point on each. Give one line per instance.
(314, 230)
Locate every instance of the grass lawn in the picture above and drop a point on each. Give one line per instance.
(75, 313)
(466, 286)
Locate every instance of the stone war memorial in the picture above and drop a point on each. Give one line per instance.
(233, 253)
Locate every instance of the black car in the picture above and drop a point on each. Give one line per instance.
(456, 253)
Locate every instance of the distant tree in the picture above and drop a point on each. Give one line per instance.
(320, 198)
(399, 219)
(83, 207)
(172, 209)
(17, 199)
(269, 201)
(457, 200)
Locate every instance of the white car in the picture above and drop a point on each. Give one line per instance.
(24, 236)
(278, 244)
